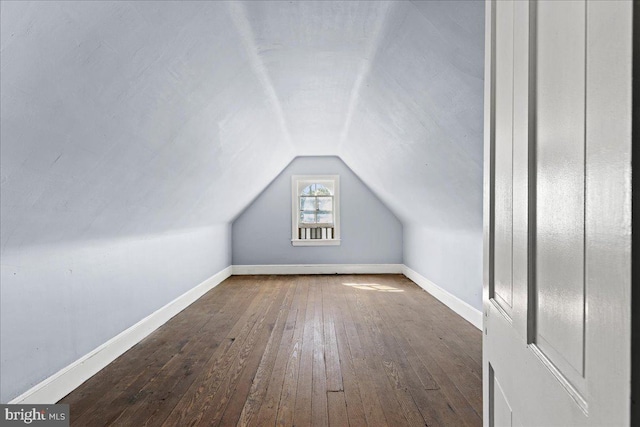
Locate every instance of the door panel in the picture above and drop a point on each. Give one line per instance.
(501, 411)
(557, 277)
(560, 183)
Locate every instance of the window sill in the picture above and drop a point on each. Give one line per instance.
(315, 242)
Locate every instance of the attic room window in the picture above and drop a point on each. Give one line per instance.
(315, 210)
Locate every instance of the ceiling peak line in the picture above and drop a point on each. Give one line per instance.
(239, 18)
(365, 67)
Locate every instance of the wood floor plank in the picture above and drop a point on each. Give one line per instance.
(371, 402)
(337, 409)
(352, 350)
(332, 357)
(288, 392)
(304, 388)
(351, 385)
(262, 403)
(319, 411)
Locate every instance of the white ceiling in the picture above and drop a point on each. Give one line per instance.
(122, 118)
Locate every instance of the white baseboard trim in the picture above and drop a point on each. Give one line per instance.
(69, 378)
(466, 311)
(240, 270)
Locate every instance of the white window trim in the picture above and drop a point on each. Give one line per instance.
(298, 182)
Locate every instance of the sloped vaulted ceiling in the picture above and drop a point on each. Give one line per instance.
(415, 135)
(138, 117)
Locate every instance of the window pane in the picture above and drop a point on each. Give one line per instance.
(321, 190)
(315, 190)
(325, 217)
(307, 203)
(325, 204)
(307, 217)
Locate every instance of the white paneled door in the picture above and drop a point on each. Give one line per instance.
(557, 282)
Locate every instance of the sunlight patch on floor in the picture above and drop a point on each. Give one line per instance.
(373, 287)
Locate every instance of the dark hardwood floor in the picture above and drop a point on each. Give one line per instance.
(296, 350)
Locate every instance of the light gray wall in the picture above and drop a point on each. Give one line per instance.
(58, 302)
(369, 230)
(452, 259)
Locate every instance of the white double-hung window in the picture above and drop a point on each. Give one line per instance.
(315, 210)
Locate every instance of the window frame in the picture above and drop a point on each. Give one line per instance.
(298, 183)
